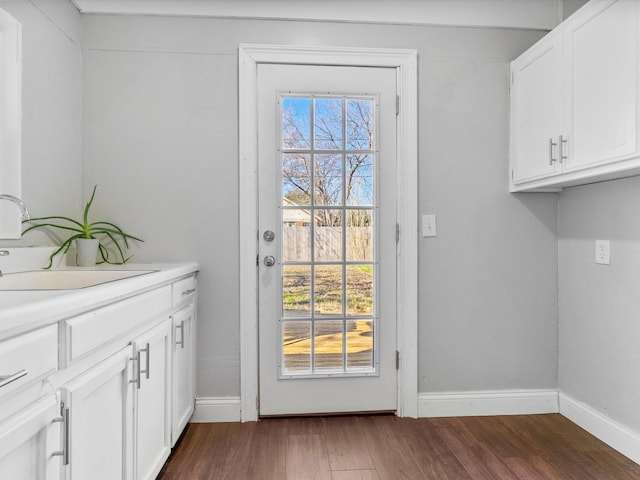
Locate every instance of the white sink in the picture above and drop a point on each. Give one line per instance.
(63, 279)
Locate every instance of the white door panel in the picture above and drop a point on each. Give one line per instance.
(327, 169)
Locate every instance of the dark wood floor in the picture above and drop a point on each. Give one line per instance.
(389, 448)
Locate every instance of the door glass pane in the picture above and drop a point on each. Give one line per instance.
(328, 345)
(360, 235)
(328, 242)
(296, 179)
(327, 236)
(327, 179)
(359, 125)
(360, 345)
(327, 124)
(296, 122)
(296, 236)
(296, 341)
(359, 290)
(328, 290)
(359, 179)
(296, 291)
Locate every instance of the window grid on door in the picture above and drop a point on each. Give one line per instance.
(328, 211)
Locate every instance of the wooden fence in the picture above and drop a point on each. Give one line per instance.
(296, 243)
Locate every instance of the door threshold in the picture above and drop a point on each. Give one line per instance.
(330, 414)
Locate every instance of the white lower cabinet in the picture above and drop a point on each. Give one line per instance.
(119, 412)
(103, 397)
(153, 400)
(31, 445)
(183, 359)
(100, 415)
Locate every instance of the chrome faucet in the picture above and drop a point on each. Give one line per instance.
(23, 208)
(3, 253)
(24, 215)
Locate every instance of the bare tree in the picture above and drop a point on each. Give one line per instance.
(342, 163)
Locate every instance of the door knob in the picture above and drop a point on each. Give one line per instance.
(269, 261)
(269, 236)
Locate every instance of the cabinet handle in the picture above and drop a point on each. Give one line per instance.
(64, 419)
(188, 292)
(136, 369)
(562, 142)
(147, 351)
(181, 327)
(7, 379)
(551, 145)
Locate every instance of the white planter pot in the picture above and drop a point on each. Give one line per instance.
(86, 251)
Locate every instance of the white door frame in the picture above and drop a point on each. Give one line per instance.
(405, 63)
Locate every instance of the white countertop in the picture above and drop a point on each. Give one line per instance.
(22, 310)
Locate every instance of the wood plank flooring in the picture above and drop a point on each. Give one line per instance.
(385, 447)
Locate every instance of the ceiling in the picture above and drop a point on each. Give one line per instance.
(530, 14)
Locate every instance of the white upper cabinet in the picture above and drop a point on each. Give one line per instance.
(601, 84)
(535, 110)
(574, 101)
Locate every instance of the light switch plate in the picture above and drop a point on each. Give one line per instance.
(603, 252)
(429, 225)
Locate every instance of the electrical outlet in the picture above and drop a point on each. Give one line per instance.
(603, 252)
(429, 226)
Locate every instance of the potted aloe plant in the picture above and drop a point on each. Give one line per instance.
(91, 238)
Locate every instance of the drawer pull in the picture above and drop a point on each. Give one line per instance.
(188, 292)
(7, 379)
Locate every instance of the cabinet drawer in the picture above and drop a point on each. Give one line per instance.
(28, 357)
(184, 290)
(89, 331)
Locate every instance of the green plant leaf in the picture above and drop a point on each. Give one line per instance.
(85, 229)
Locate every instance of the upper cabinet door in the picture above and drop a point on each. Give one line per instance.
(601, 88)
(536, 110)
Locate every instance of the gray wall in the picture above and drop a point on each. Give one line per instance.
(160, 139)
(160, 130)
(52, 107)
(599, 307)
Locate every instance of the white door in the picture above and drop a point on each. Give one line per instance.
(327, 239)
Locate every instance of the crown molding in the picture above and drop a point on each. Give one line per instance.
(521, 14)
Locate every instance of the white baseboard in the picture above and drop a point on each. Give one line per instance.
(610, 432)
(499, 402)
(462, 404)
(216, 409)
